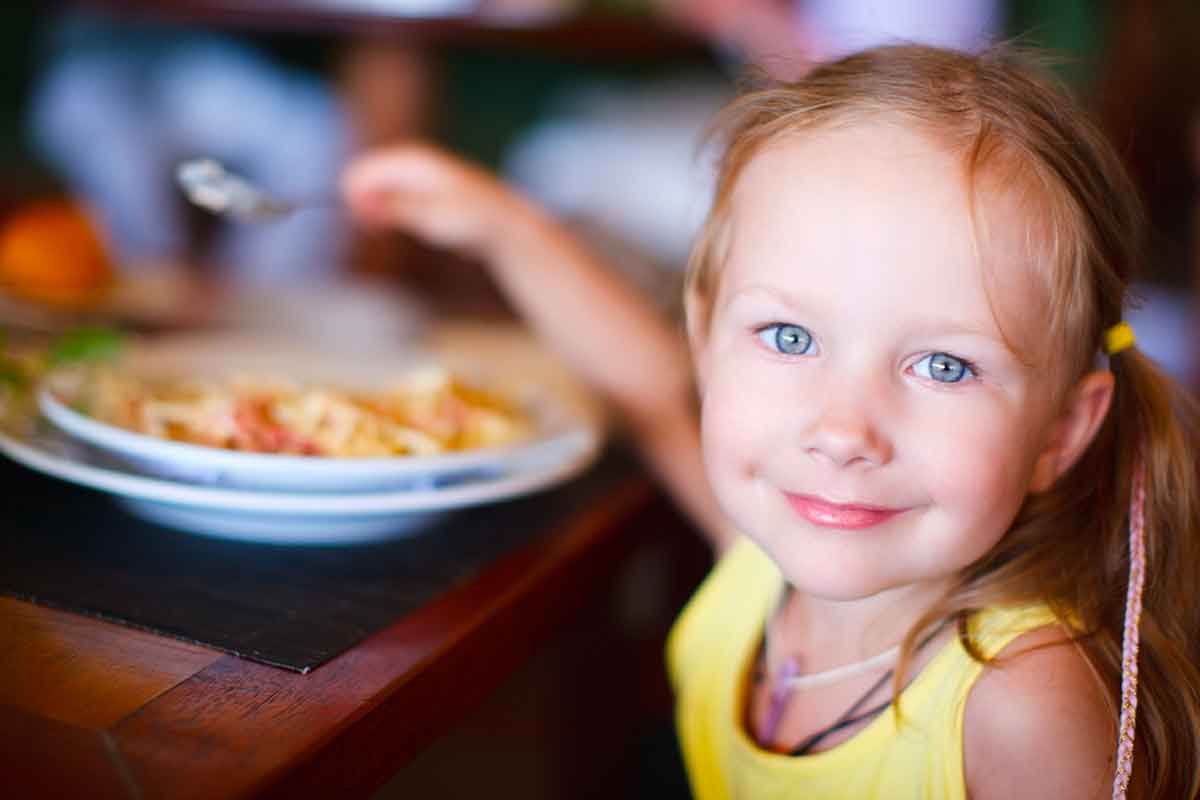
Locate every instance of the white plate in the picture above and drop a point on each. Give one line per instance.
(512, 365)
(288, 518)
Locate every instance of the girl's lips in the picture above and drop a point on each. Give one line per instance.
(836, 515)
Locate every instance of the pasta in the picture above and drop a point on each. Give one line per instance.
(427, 412)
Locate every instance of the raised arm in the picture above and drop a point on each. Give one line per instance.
(604, 328)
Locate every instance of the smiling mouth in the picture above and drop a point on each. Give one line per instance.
(843, 516)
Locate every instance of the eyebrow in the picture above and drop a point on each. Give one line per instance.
(779, 295)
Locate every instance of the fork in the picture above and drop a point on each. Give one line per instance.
(208, 184)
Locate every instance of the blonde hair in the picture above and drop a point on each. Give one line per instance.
(1068, 547)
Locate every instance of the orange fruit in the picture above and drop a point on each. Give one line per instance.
(51, 252)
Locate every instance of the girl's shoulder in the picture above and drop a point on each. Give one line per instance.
(1037, 723)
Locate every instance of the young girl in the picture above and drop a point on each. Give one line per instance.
(921, 412)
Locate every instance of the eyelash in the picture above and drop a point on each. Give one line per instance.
(972, 370)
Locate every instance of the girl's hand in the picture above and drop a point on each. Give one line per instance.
(612, 336)
(433, 195)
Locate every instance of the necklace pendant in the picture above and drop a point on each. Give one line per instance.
(778, 694)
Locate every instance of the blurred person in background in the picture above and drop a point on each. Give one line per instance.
(119, 104)
(116, 104)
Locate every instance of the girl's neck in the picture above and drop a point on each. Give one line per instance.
(828, 633)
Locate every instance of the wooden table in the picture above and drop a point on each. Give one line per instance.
(92, 709)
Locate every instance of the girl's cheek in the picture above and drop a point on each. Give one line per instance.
(975, 464)
(747, 400)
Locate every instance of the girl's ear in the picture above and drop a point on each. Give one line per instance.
(1076, 427)
(696, 313)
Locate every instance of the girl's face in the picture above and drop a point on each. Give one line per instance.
(864, 418)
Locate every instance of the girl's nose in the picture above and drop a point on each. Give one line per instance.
(846, 435)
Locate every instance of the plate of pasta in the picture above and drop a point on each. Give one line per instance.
(268, 417)
(270, 441)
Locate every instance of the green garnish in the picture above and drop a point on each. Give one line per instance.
(86, 344)
(11, 373)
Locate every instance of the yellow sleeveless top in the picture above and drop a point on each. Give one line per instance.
(711, 651)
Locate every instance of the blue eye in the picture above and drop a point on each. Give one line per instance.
(791, 340)
(943, 368)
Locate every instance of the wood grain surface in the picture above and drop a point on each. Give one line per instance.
(88, 708)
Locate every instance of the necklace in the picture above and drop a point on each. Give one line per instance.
(790, 679)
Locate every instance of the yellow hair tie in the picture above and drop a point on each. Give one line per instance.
(1119, 337)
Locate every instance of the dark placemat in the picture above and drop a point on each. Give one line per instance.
(289, 606)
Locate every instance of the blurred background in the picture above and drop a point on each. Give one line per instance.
(100, 100)
(595, 107)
